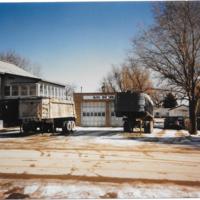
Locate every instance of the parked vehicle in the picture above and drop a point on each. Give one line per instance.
(174, 123)
(46, 114)
(136, 108)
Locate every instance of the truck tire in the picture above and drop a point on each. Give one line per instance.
(25, 128)
(73, 126)
(29, 127)
(151, 126)
(127, 127)
(148, 126)
(67, 127)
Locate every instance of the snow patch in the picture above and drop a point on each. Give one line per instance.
(31, 189)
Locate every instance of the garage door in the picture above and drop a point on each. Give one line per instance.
(93, 114)
(114, 121)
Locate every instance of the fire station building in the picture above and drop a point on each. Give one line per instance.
(96, 109)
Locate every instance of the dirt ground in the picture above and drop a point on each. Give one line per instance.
(100, 163)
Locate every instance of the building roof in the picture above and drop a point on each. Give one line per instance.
(179, 107)
(8, 68)
(52, 82)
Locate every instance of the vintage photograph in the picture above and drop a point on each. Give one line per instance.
(100, 100)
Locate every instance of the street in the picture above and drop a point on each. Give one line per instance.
(100, 163)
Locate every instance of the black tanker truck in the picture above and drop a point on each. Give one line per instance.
(136, 108)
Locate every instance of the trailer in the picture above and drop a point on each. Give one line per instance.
(136, 108)
(46, 114)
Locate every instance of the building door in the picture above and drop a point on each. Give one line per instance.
(93, 114)
(9, 111)
(114, 121)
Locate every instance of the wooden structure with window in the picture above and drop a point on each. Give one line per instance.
(15, 84)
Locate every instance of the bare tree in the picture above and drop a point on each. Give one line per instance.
(129, 76)
(16, 59)
(157, 97)
(172, 48)
(70, 89)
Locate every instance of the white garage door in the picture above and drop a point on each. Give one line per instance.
(115, 121)
(93, 114)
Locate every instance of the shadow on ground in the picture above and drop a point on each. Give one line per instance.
(18, 134)
(182, 140)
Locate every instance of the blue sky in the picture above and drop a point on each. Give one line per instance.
(73, 42)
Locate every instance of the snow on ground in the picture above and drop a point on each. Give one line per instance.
(78, 189)
(108, 155)
(78, 128)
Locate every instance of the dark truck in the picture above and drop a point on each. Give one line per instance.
(136, 108)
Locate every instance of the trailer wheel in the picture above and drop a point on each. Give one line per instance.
(148, 126)
(127, 127)
(67, 127)
(151, 126)
(72, 126)
(29, 127)
(26, 128)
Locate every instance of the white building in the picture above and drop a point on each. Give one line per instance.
(161, 112)
(179, 111)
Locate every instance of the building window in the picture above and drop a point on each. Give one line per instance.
(49, 91)
(59, 93)
(41, 89)
(112, 114)
(52, 91)
(32, 90)
(157, 114)
(24, 90)
(45, 90)
(91, 114)
(99, 114)
(84, 114)
(7, 90)
(95, 114)
(15, 90)
(103, 114)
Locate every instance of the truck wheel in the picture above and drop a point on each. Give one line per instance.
(148, 126)
(72, 126)
(151, 127)
(45, 128)
(127, 127)
(25, 128)
(67, 127)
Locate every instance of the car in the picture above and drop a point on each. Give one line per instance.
(174, 123)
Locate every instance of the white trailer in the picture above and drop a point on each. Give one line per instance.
(47, 114)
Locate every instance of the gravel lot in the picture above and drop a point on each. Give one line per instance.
(100, 163)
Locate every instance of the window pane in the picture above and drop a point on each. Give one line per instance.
(24, 90)
(32, 90)
(41, 89)
(45, 90)
(7, 91)
(15, 91)
(49, 91)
